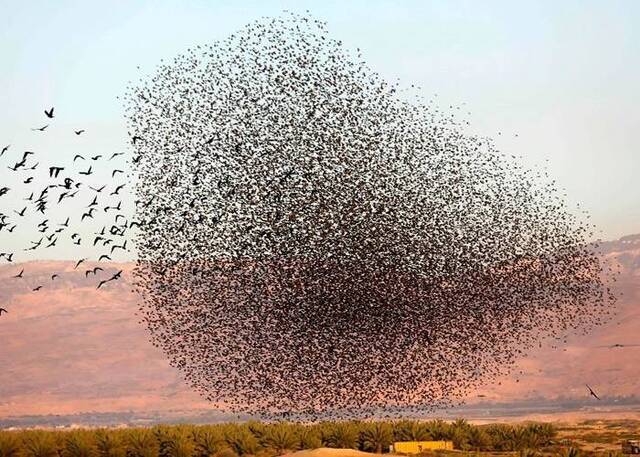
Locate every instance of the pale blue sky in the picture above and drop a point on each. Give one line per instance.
(563, 75)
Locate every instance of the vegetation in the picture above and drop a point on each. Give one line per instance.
(270, 439)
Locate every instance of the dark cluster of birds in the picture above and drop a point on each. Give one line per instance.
(316, 240)
(61, 204)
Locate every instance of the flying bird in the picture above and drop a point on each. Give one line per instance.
(93, 271)
(591, 392)
(49, 113)
(117, 190)
(55, 171)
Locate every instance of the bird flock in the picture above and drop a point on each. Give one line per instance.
(62, 205)
(315, 240)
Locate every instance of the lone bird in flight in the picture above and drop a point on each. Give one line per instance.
(3, 310)
(49, 113)
(592, 392)
(618, 345)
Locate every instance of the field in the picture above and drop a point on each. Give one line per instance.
(326, 439)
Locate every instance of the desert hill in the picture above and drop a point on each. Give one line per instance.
(70, 348)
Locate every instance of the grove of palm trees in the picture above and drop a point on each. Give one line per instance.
(271, 439)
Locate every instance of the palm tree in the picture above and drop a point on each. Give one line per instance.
(79, 445)
(176, 445)
(280, 438)
(308, 437)
(141, 443)
(376, 437)
(207, 441)
(109, 444)
(40, 444)
(478, 439)
(241, 440)
(341, 435)
(438, 430)
(9, 444)
(411, 431)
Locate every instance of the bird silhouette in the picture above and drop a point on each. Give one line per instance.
(592, 393)
(92, 271)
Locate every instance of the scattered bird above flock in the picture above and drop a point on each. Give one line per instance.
(4, 149)
(41, 129)
(49, 113)
(117, 189)
(2, 310)
(78, 132)
(55, 171)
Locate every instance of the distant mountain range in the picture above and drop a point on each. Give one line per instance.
(77, 352)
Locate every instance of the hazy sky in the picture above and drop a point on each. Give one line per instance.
(564, 76)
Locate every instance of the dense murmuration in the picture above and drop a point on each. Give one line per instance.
(314, 240)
